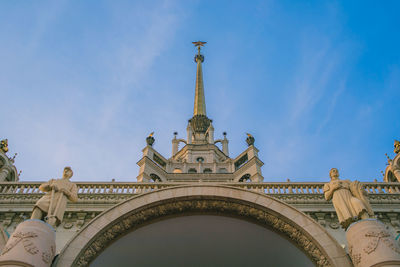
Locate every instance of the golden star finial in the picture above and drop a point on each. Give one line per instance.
(199, 44)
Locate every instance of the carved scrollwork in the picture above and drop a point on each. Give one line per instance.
(68, 225)
(355, 257)
(376, 237)
(176, 207)
(48, 256)
(26, 240)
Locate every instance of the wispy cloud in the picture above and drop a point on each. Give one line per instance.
(335, 96)
(315, 70)
(88, 130)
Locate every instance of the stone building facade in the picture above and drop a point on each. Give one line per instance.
(199, 178)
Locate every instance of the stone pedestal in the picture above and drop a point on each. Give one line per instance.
(371, 243)
(31, 244)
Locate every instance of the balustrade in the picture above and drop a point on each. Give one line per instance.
(129, 188)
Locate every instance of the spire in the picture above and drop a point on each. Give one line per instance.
(199, 122)
(199, 99)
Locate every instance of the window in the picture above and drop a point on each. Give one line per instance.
(222, 170)
(177, 170)
(159, 161)
(192, 170)
(155, 178)
(207, 170)
(240, 162)
(245, 178)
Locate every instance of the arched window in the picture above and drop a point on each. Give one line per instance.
(207, 170)
(177, 170)
(192, 170)
(222, 170)
(245, 178)
(155, 178)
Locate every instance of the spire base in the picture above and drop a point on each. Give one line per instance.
(200, 123)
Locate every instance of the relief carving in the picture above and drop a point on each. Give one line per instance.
(27, 242)
(355, 257)
(30, 246)
(376, 238)
(48, 256)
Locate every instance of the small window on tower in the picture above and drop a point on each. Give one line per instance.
(200, 159)
(177, 170)
(192, 170)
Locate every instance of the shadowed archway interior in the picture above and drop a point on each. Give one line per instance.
(202, 240)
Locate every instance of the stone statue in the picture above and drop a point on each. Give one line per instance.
(4, 145)
(392, 172)
(348, 198)
(54, 202)
(250, 139)
(150, 139)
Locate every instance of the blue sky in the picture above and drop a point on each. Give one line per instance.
(84, 82)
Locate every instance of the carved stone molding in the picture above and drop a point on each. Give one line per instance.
(193, 205)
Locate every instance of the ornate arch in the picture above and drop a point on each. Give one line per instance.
(115, 222)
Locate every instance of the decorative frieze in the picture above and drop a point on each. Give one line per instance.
(146, 214)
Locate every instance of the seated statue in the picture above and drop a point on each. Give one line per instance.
(348, 198)
(52, 205)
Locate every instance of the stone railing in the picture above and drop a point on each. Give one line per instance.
(129, 188)
(313, 188)
(97, 196)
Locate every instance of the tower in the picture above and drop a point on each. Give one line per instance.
(200, 159)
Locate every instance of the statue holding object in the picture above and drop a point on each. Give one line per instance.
(348, 198)
(52, 205)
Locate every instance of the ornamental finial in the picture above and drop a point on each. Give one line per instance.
(4, 145)
(199, 56)
(396, 146)
(150, 139)
(199, 44)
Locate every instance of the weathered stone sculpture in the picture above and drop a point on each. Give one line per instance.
(150, 139)
(8, 172)
(392, 172)
(4, 145)
(250, 139)
(51, 206)
(348, 198)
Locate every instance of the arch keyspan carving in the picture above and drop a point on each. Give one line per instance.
(303, 231)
